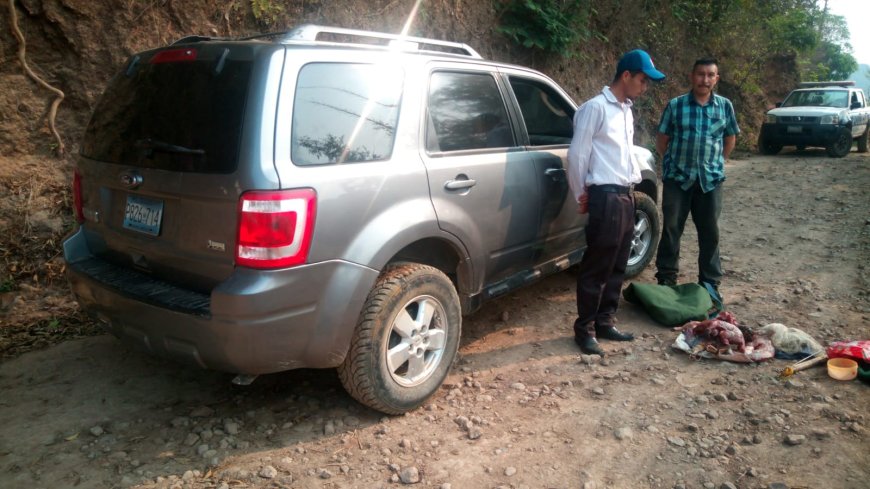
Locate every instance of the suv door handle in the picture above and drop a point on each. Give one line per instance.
(459, 184)
(555, 173)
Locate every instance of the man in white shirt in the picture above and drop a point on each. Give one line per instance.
(601, 172)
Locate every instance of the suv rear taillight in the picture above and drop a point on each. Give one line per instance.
(275, 228)
(77, 197)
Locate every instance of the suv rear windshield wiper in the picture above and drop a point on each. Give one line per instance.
(151, 145)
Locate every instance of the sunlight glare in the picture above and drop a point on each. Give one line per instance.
(388, 76)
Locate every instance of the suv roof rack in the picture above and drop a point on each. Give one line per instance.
(840, 83)
(310, 32)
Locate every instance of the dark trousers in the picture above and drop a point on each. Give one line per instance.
(602, 270)
(705, 209)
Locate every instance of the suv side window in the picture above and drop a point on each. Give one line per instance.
(466, 111)
(546, 114)
(345, 113)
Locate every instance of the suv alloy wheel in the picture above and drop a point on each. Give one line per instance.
(405, 341)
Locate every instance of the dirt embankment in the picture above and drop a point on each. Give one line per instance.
(522, 408)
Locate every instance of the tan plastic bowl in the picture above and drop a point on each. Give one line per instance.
(842, 368)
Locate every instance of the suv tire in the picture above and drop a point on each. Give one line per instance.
(765, 147)
(841, 145)
(412, 312)
(645, 238)
(862, 140)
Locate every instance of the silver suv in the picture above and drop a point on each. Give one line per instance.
(307, 200)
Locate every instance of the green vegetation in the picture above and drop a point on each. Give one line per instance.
(266, 12)
(832, 59)
(7, 285)
(556, 26)
(750, 34)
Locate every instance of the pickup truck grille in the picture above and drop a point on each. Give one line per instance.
(798, 119)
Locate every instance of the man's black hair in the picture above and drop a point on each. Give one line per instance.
(709, 60)
(619, 75)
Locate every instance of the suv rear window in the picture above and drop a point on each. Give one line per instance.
(173, 115)
(345, 113)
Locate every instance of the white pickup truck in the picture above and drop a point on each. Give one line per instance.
(827, 114)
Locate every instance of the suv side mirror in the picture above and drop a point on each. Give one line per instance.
(779, 104)
(855, 105)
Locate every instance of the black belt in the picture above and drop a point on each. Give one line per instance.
(614, 189)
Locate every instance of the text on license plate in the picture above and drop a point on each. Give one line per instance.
(143, 215)
(794, 129)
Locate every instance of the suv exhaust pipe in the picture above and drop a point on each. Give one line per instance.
(243, 379)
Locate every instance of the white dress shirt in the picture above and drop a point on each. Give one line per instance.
(601, 149)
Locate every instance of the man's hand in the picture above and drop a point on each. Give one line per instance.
(662, 141)
(583, 204)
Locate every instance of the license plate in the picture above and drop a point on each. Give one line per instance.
(794, 129)
(143, 215)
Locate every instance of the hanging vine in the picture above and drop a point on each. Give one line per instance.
(52, 114)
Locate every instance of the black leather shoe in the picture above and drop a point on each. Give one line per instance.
(589, 345)
(611, 333)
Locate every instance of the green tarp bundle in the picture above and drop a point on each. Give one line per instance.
(671, 305)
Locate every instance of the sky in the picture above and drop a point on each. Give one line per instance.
(857, 14)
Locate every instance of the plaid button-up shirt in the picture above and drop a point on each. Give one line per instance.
(697, 137)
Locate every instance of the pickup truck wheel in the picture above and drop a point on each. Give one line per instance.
(841, 145)
(647, 231)
(765, 147)
(405, 340)
(862, 140)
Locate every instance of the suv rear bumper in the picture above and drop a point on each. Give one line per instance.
(255, 322)
(809, 134)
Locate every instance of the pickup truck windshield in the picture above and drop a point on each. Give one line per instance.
(818, 98)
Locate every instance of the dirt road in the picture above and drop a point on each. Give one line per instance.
(522, 408)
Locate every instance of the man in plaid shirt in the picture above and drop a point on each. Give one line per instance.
(697, 132)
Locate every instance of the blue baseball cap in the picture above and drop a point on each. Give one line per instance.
(639, 60)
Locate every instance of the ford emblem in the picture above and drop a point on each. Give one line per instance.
(131, 180)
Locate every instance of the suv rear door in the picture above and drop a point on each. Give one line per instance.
(482, 183)
(173, 142)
